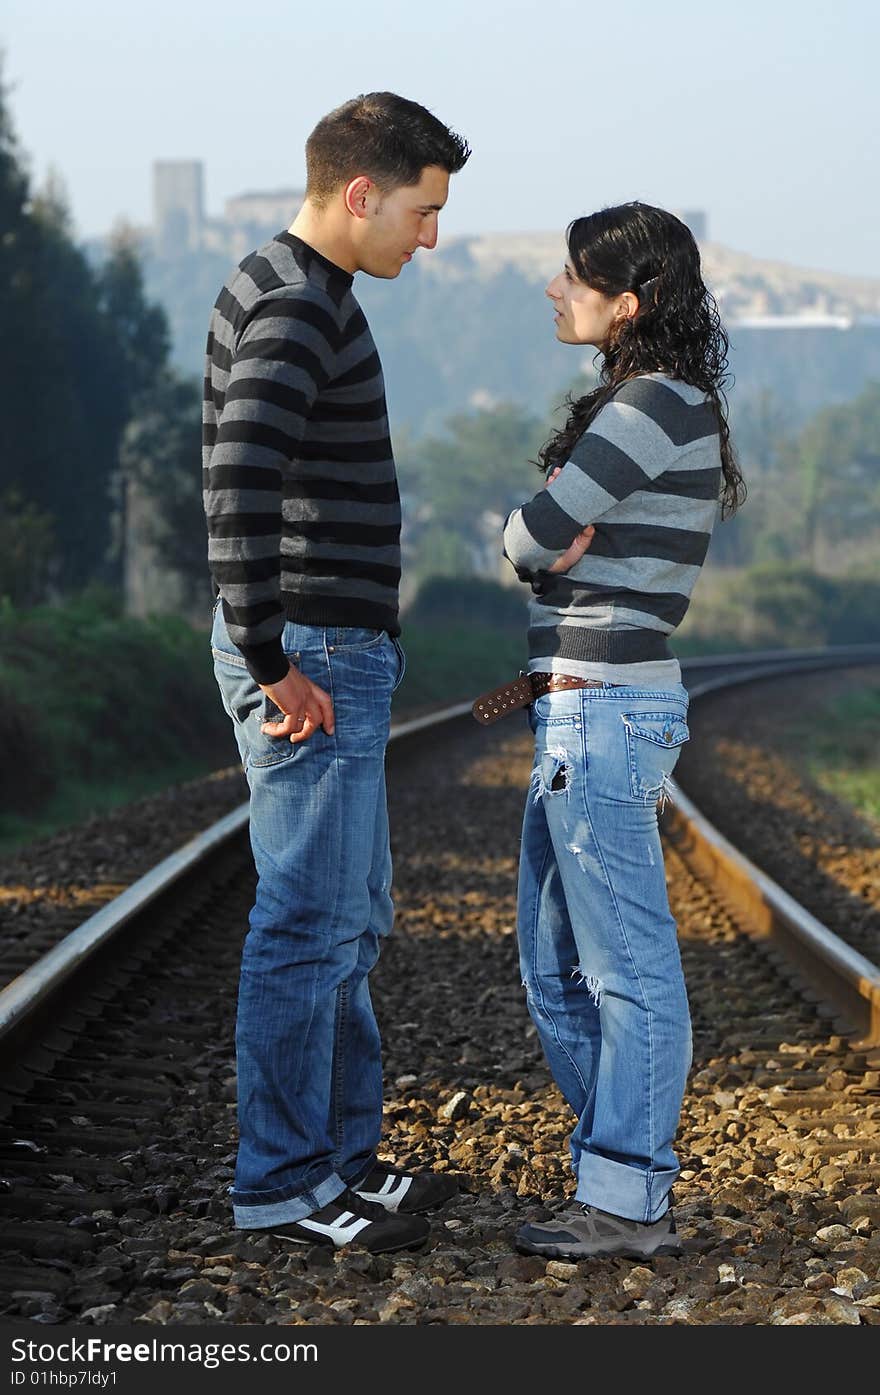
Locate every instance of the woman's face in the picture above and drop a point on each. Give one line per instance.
(583, 315)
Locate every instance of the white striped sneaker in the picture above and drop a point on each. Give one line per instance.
(406, 1192)
(353, 1220)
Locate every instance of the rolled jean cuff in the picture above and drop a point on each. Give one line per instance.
(623, 1190)
(362, 1172)
(293, 1208)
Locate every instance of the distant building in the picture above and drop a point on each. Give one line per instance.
(252, 219)
(178, 206)
(276, 209)
(180, 225)
(696, 220)
(805, 319)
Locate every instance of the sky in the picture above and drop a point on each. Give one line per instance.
(765, 115)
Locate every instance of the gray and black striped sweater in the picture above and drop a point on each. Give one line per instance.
(299, 483)
(647, 473)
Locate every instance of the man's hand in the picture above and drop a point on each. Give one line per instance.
(305, 707)
(575, 552)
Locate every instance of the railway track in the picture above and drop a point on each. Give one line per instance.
(116, 1114)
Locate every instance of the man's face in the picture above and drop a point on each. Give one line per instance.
(400, 222)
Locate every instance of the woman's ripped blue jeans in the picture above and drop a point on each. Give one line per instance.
(598, 947)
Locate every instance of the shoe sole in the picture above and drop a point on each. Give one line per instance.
(569, 1253)
(328, 1244)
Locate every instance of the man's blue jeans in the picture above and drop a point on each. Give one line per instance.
(598, 948)
(307, 1044)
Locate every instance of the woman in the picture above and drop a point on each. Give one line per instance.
(612, 546)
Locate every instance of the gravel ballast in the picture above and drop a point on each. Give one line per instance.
(127, 1155)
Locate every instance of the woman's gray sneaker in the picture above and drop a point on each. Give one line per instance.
(350, 1220)
(583, 1232)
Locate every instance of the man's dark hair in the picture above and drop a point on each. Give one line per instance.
(384, 136)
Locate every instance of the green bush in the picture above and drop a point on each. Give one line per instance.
(446, 600)
(793, 606)
(90, 695)
(26, 778)
(779, 605)
(453, 663)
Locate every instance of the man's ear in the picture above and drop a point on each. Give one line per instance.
(356, 195)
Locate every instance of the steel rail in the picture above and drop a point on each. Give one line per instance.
(846, 979)
(35, 985)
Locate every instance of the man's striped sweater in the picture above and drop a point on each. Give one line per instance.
(647, 473)
(299, 482)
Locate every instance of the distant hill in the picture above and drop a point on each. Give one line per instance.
(468, 324)
(745, 285)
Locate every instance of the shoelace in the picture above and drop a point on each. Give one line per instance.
(352, 1201)
(574, 1209)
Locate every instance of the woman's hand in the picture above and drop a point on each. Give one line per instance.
(575, 552)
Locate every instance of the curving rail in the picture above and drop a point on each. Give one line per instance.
(841, 975)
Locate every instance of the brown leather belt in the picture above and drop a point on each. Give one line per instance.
(524, 690)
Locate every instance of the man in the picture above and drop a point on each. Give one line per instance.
(304, 522)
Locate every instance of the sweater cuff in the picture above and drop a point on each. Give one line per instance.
(523, 573)
(541, 581)
(266, 663)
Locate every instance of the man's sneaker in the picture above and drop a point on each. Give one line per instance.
(583, 1232)
(350, 1220)
(406, 1192)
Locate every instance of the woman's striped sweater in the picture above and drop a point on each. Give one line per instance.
(647, 473)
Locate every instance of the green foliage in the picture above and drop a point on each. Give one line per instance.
(186, 287)
(160, 455)
(454, 662)
(140, 326)
(481, 464)
(60, 375)
(439, 551)
(838, 747)
(448, 600)
(83, 351)
(26, 549)
(89, 695)
(459, 487)
(26, 781)
(161, 533)
(786, 603)
(781, 605)
(17, 236)
(814, 492)
(837, 460)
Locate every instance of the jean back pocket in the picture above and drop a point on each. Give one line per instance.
(653, 742)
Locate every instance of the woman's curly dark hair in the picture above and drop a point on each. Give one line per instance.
(677, 329)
